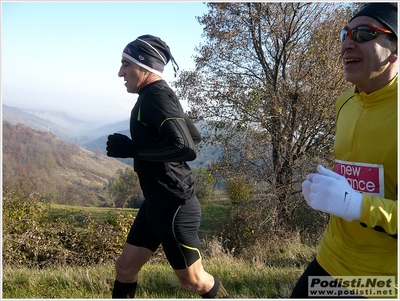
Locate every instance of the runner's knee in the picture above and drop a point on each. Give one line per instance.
(125, 272)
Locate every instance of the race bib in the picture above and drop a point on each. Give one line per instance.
(363, 177)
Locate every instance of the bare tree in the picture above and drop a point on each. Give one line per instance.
(266, 80)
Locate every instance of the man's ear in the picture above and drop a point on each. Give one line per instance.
(393, 57)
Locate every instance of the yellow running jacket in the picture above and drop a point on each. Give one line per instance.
(365, 151)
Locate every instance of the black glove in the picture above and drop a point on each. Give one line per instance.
(120, 146)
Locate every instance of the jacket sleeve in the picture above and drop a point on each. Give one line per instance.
(196, 136)
(174, 144)
(379, 214)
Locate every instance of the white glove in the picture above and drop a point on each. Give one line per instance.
(331, 193)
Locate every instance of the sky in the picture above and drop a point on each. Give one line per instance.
(65, 56)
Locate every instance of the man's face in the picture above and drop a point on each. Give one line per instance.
(133, 75)
(368, 65)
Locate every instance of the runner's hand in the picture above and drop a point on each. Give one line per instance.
(331, 193)
(120, 146)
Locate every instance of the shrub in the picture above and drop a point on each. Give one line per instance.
(239, 190)
(33, 237)
(246, 225)
(205, 183)
(124, 189)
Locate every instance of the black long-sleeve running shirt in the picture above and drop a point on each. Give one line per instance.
(164, 140)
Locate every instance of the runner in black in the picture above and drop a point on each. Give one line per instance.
(163, 140)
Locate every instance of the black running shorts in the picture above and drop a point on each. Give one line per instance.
(175, 228)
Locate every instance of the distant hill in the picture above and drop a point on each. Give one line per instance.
(119, 127)
(60, 124)
(38, 161)
(87, 135)
(99, 145)
(20, 116)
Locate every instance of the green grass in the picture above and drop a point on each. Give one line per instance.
(96, 213)
(210, 213)
(156, 280)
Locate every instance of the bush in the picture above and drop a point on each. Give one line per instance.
(256, 223)
(124, 189)
(244, 225)
(205, 184)
(33, 237)
(239, 190)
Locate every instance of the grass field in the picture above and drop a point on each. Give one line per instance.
(270, 274)
(157, 280)
(96, 213)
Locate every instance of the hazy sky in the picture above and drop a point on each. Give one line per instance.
(65, 56)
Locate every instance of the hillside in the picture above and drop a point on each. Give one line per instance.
(88, 135)
(18, 116)
(38, 161)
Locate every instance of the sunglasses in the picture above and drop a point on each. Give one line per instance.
(363, 33)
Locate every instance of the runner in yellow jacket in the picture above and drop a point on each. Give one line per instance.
(366, 154)
(360, 194)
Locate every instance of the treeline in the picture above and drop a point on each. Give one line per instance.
(39, 162)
